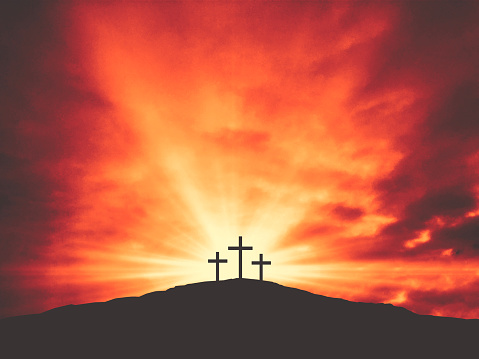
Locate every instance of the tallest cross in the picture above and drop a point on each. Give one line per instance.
(240, 250)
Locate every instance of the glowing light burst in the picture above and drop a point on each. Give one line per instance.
(206, 168)
(202, 172)
(214, 129)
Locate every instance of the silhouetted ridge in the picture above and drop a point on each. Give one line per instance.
(231, 319)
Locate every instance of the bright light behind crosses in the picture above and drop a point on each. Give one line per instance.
(205, 149)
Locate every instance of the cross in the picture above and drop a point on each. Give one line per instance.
(240, 250)
(217, 260)
(261, 263)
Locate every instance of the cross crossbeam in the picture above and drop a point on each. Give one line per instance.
(217, 260)
(240, 250)
(261, 263)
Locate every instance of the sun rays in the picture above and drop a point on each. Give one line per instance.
(221, 149)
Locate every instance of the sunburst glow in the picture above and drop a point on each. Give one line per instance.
(307, 129)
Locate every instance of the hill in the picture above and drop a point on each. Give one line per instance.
(238, 318)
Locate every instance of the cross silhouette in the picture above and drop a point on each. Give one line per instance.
(261, 263)
(217, 260)
(240, 250)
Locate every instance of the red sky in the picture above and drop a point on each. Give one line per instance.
(340, 139)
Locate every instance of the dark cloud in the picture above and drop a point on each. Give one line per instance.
(23, 192)
(347, 213)
(431, 44)
(25, 202)
(462, 237)
(45, 132)
(458, 120)
(460, 301)
(435, 180)
(433, 47)
(448, 202)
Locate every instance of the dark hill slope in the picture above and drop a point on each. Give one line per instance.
(232, 319)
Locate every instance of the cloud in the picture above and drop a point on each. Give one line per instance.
(435, 180)
(347, 213)
(48, 137)
(463, 237)
(460, 301)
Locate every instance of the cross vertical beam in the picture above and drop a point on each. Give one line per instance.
(240, 250)
(261, 263)
(217, 260)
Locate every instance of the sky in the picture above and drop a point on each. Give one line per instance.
(339, 139)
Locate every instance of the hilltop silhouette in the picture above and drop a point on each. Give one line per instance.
(240, 318)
